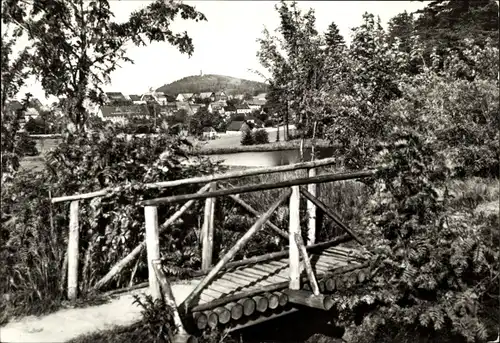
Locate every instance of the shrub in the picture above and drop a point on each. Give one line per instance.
(247, 138)
(433, 269)
(261, 136)
(14, 143)
(110, 226)
(27, 146)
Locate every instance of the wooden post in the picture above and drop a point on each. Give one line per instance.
(73, 250)
(152, 247)
(294, 227)
(307, 263)
(311, 210)
(207, 231)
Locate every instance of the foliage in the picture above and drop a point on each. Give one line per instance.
(434, 269)
(204, 119)
(424, 111)
(47, 123)
(445, 25)
(110, 226)
(158, 318)
(73, 31)
(14, 69)
(261, 136)
(14, 144)
(247, 137)
(33, 251)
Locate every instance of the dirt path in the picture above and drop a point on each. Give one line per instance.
(67, 324)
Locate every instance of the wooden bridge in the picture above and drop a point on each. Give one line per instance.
(237, 294)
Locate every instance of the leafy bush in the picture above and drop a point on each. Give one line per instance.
(110, 226)
(261, 137)
(433, 267)
(34, 247)
(158, 319)
(247, 138)
(14, 144)
(268, 123)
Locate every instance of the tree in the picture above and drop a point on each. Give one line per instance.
(14, 71)
(260, 137)
(247, 137)
(247, 96)
(203, 118)
(333, 38)
(14, 143)
(295, 62)
(444, 25)
(84, 35)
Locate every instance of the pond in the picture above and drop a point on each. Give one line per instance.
(269, 158)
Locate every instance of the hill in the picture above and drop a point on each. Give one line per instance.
(213, 83)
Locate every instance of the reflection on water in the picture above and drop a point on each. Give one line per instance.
(269, 158)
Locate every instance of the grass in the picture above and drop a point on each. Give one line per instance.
(119, 334)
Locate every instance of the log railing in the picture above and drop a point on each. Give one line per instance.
(209, 192)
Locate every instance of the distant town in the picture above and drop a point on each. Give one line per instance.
(235, 110)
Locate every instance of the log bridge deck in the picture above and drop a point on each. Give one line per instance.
(238, 294)
(247, 295)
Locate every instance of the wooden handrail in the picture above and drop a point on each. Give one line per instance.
(260, 187)
(207, 178)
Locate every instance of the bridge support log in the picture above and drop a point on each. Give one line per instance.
(201, 320)
(223, 314)
(236, 310)
(213, 319)
(294, 228)
(306, 298)
(273, 300)
(208, 231)
(261, 303)
(248, 306)
(282, 298)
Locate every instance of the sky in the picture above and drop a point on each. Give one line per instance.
(226, 44)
